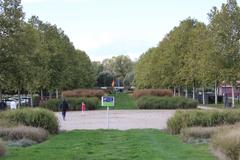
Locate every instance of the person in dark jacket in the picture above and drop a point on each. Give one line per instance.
(64, 108)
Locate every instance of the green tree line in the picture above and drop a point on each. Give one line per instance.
(37, 56)
(195, 55)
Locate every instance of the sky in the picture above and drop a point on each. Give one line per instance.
(107, 28)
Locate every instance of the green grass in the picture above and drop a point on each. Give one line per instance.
(221, 105)
(124, 101)
(112, 145)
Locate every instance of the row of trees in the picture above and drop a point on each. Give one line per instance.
(195, 55)
(120, 68)
(37, 56)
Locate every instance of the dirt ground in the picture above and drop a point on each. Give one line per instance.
(118, 119)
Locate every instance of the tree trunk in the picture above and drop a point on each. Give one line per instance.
(31, 99)
(193, 92)
(233, 96)
(50, 94)
(56, 93)
(19, 98)
(186, 92)
(41, 95)
(203, 96)
(179, 91)
(174, 91)
(216, 92)
(1, 95)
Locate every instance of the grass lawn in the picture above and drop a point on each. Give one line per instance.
(221, 105)
(111, 145)
(124, 101)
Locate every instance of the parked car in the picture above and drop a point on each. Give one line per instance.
(9, 100)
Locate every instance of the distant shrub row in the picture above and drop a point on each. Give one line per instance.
(74, 103)
(153, 102)
(32, 117)
(152, 92)
(84, 93)
(184, 119)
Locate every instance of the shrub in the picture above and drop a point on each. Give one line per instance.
(74, 104)
(24, 132)
(33, 117)
(227, 143)
(152, 92)
(197, 133)
(153, 102)
(184, 119)
(2, 148)
(84, 93)
(21, 143)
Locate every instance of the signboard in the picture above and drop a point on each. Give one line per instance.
(108, 101)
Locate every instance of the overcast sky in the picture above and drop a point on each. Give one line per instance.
(106, 28)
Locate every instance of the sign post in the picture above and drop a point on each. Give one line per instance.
(108, 101)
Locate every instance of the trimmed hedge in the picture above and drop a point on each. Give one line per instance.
(36, 117)
(84, 93)
(152, 92)
(153, 102)
(74, 104)
(206, 118)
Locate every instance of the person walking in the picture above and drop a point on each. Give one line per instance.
(83, 107)
(64, 107)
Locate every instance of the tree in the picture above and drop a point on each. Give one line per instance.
(105, 79)
(225, 26)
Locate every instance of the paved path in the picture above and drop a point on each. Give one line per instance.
(119, 119)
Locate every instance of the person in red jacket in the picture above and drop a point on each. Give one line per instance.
(83, 107)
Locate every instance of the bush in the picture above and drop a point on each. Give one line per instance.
(21, 143)
(152, 92)
(184, 119)
(24, 132)
(227, 143)
(74, 103)
(33, 117)
(153, 102)
(2, 148)
(84, 93)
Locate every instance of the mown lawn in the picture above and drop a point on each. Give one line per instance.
(124, 101)
(111, 145)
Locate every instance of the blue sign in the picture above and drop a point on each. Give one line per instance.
(108, 101)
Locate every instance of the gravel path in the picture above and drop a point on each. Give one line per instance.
(118, 119)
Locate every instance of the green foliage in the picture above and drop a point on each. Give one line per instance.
(153, 102)
(184, 119)
(74, 104)
(105, 79)
(36, 117)
(112, 144)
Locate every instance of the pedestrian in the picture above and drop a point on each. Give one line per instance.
(64, 107)
(83, 107)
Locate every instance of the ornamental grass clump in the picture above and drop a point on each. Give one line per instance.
(227, 144)
(24, 132)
